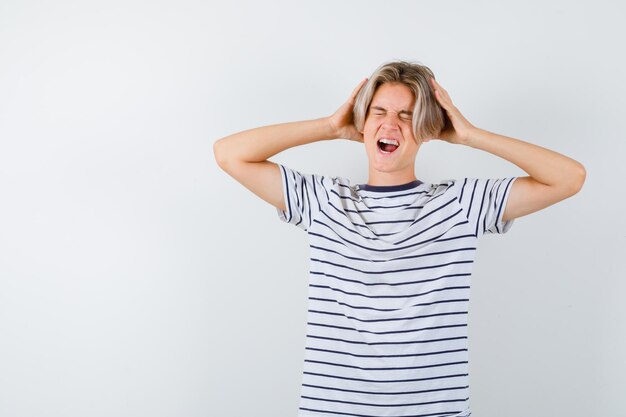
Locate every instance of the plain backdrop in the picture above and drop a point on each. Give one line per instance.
(138, 279)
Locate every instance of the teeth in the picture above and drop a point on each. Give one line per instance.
(389, 141)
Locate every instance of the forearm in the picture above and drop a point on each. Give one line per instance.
(544, 165)
(258, 144)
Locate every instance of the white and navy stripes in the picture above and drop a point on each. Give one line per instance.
(389, 285)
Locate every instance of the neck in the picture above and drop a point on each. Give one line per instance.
(385, 179)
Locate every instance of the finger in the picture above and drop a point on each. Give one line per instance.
(358, 87)
(355, 92)
(443, 98)
(439, 88)
(444, 92)
(437, 84)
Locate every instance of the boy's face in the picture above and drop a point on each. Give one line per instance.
(390, 116)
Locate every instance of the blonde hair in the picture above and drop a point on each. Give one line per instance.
(428, 116)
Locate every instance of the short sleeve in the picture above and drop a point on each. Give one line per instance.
(483, 200)
(304, 195)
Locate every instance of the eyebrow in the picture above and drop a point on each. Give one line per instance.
(401, 111)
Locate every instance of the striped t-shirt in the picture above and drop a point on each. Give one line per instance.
(389, 288)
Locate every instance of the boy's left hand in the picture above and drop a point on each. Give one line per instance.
(457, 128)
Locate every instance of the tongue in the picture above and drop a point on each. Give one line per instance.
(388, 147)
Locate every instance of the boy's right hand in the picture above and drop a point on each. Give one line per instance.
(342, 121)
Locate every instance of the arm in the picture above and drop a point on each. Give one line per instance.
(244, 155)
(257, 145)
(552, 176)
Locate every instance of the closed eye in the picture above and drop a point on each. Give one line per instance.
(402, 116)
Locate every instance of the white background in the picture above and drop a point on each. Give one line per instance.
(138, 279)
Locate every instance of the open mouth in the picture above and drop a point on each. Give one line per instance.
(387, 145)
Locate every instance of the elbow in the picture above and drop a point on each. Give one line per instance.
(218, 153)
(581, 175)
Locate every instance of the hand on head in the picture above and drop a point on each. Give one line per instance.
(457, 128)
(342, 120)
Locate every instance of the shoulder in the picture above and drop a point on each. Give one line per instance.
(304, 183)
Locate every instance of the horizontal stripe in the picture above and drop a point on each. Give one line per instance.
(390, 319)
(451, 414)
(334, 289)
(422, 255)
(392, 368)
(389, 405)
(332, 300)
(395, 248)
(390, 271)
(462, 276)
(408, 355)
(387, 380)
(408, 342)
(386, 393)
(389, 332)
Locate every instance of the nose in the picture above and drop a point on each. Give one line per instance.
(391, 119)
